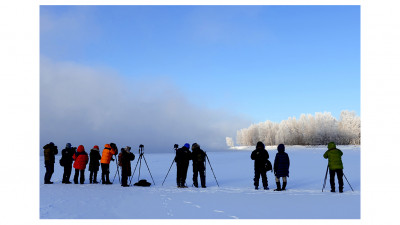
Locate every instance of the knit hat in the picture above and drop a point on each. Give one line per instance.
(281, 148)
(260, 145)
(95, 148)
(68, 145)
(187, 145)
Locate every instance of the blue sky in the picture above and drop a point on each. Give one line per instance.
(255, 62)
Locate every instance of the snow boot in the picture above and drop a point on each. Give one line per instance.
(278, 186)
(256, 187)
(284, 186)
(108, 179)
(340, 190)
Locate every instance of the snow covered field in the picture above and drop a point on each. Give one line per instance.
(234, 199)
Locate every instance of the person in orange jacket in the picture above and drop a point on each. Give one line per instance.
(81, 159)
(106, 157)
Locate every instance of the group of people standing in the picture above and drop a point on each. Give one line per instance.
(281, 166)
(282, 163)
(182, 158)
(78, 159)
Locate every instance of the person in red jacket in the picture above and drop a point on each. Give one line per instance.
(106, 157)
(81, 159)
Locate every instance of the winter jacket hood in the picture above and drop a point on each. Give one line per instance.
(281, 148)
(331, 145)
(80, 148)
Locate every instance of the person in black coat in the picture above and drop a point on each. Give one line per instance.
(198, 158)
(260, 157)
(49, 151)
(182, 158)
(281, 167)
(66, 162)
(94, 164)
(125, 158)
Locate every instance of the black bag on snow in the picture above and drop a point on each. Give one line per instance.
(268, 165)
(142, 183)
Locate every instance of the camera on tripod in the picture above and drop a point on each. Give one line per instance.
(141, 149)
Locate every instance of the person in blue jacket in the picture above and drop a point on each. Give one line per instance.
(281, 168)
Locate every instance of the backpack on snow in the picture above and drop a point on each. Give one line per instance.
(142, 183)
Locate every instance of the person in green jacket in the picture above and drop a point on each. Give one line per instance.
(335, 165)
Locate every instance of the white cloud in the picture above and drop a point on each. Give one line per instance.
(95, 106)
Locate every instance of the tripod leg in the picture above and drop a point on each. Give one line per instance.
(149, 169)
(326, 174)
(119, 177)
(348, 182)
(134, 171)
(115, 174)
(168, 171)
(140, 166)
(212, 170)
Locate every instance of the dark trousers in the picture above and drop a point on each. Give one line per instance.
(67, 173)
(260, 171)
(181, 173)
(82, 179)
(49, 171)
(339, 173)
(105, 173)
(124, 177)
(93, 176)
(199, 169)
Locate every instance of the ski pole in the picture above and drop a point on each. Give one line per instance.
(326, 174)
(212, 170)
(348, 182)
(168, 171)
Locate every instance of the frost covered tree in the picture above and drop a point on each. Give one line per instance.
(319, 129)
(229, 142)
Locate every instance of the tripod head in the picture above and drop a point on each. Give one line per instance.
(141, 149)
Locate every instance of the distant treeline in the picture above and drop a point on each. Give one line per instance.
(319, 129)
